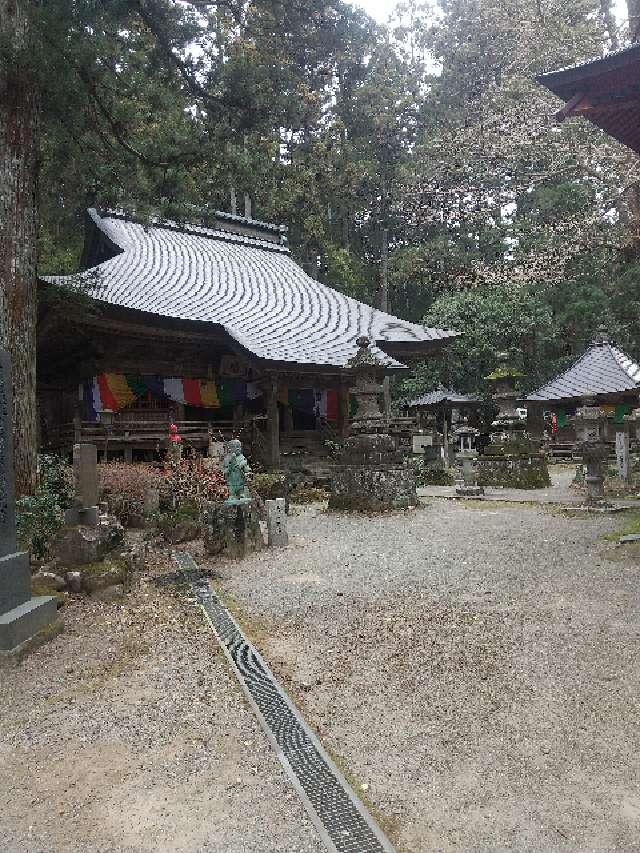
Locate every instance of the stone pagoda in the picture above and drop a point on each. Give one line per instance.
(371, 475)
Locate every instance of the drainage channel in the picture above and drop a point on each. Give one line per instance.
(343, 822)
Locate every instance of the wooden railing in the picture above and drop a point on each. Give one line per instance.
(140, 433)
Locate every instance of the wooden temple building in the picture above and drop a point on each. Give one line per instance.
(216, 329)
(603, 373)
(606, 91)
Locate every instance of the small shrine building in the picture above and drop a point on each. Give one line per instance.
(603, 372)
(215, 328)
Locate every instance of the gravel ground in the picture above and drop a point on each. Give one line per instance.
(127, 734)
(473, 667)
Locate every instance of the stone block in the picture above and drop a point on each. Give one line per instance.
(22, 622)
(15, 580)
(85, 470)
(79, 544)
(277, 534)
(232, 529)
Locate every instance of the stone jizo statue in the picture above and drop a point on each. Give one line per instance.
(236, 469)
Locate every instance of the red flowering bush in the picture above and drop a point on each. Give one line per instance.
(123, 487)
(190, 482)
(194, 481)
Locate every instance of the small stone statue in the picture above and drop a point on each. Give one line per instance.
(236, 468)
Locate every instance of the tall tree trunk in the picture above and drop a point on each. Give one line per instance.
(18, 231)
(633, 8)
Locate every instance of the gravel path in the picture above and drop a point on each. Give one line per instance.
(128, 734)
(474, 669)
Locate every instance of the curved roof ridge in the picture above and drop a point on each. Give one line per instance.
(252, 288)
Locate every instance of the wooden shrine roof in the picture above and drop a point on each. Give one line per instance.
(606, 91)
(251, 286)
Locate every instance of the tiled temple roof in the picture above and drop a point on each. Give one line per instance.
(602, 369)
(251, 287)
(443, 395)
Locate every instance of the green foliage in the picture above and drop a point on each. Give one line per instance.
(55, 477)
(432, 475)
(269, 486)
(39, 519)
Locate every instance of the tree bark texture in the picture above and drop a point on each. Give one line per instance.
(19, 110)
(633, 8)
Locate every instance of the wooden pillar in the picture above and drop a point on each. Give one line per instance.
(128, 454)
(287, 425)
(273, 425)
(343, 411)
(238, 415)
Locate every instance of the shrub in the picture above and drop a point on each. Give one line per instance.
(38, 521)
(55, 477)
(40, 517)
(189, 483)
(269, 486)
(194, 482)
(123, 487)
(432, 475)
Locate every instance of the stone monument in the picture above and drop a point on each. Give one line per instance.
(371, 475)
(85, 476)
(277, 535)
(233, 527)
(21, 616)
(512, 459)
(590, 425)
(623, 449)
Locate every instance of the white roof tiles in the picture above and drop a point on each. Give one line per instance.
(602, 369)
(253, 288)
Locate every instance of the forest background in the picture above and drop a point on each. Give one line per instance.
(416, 163)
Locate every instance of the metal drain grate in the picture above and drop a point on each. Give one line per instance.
(343, 822)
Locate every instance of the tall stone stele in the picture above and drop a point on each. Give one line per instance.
(512, 459)
(371, 475)
(21, 616)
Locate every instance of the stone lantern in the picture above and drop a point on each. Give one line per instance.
(511, 459)
(466, 436)
(590, 425)
(371, 475)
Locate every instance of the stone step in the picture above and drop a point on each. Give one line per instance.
(25, 620)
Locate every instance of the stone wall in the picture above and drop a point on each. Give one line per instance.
(528, 471)
(373, 488)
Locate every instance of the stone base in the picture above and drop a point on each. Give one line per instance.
(22, 622)
(470, 491)
(80, 545)
(373, 489)
(15, 580)
(232, 529)
(89, 516)
(513, 472)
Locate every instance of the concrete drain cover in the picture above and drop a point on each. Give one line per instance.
(341, 819)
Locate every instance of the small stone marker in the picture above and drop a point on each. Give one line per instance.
(277, 522)
(85, 475)
(622, 454)
(20, 615)
(419, 443)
